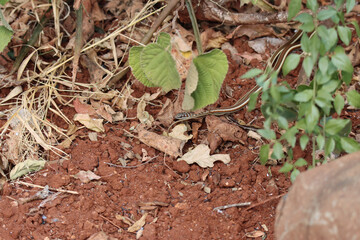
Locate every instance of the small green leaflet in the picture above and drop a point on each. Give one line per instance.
(212, 68)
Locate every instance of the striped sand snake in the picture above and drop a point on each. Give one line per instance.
(275, 63)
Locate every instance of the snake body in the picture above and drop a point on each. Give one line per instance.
(275, 64)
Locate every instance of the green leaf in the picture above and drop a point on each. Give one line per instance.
(164, 40)
(308, 65)
(252, 101)
(291, 62)
(264, 153)
(329, 146)
(312, 118)
(192, 80)
(344, 34)
(26, 167)
(339, 103)
(326, 14)
(283, 123)
(354, 98)
(356, 26)
(275, 94)
(251, 73)
(294, 174)
(2, 2)
(307, 20)
(304, 96)
(286, 168)
(323, 64)
(349, 145)
(320, 140)
(334, 126)
(294, 8)
(278, 152)
(312, 5)
(5, 38)
(304, 139)
(305, 43)
(341, 60)
(328, 37)
(134, 62)
(159, 67)
(300, 162)
(212, 68)
(338, 3)
(290, 136)
(350, 4)
(267, 134)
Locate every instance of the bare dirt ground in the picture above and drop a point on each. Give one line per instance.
(174, 199)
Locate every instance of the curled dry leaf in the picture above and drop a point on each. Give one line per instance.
(201, 156)
(226, 130)
(212, 39)
(142, 115)
(90, 123)
(138, 224)
(178, 132)
(254, 135)
(86, 176)
(168, 145)
(166, 114)
(254, 234)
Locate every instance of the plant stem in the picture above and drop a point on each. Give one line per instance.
(194, 26)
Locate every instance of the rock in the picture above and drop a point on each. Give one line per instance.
(323, 203)
(227, 183)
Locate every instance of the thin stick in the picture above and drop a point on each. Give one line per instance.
(53, 189)
(263, 202)
(232, 205)
(110, 221)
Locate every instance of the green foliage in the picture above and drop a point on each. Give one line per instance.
(328, 68)
(6, 31)
(154, 66)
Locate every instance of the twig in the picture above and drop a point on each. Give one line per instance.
(53, 189)
(232, 205)
(110, 221)
(267, 200)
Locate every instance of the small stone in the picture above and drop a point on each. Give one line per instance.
(207, 189)
(227, 183)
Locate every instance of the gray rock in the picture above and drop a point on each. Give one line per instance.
(323, 203)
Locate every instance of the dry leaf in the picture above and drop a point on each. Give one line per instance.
(90, 123)
(93, 136)
(16, 91)
(254, 135)
(86, 176)
(255, 234)
(201, 156)
(142, 115)
(168, 145)
(83, 108)
(138, 224)
(26, 167)
(178, 132)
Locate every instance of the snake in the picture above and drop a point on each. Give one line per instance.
(275, 63)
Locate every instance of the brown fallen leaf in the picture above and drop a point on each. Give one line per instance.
(83, 108)
(168, 145)
(86, 176)
(138, 224)
(255, 234)
(89, 122)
